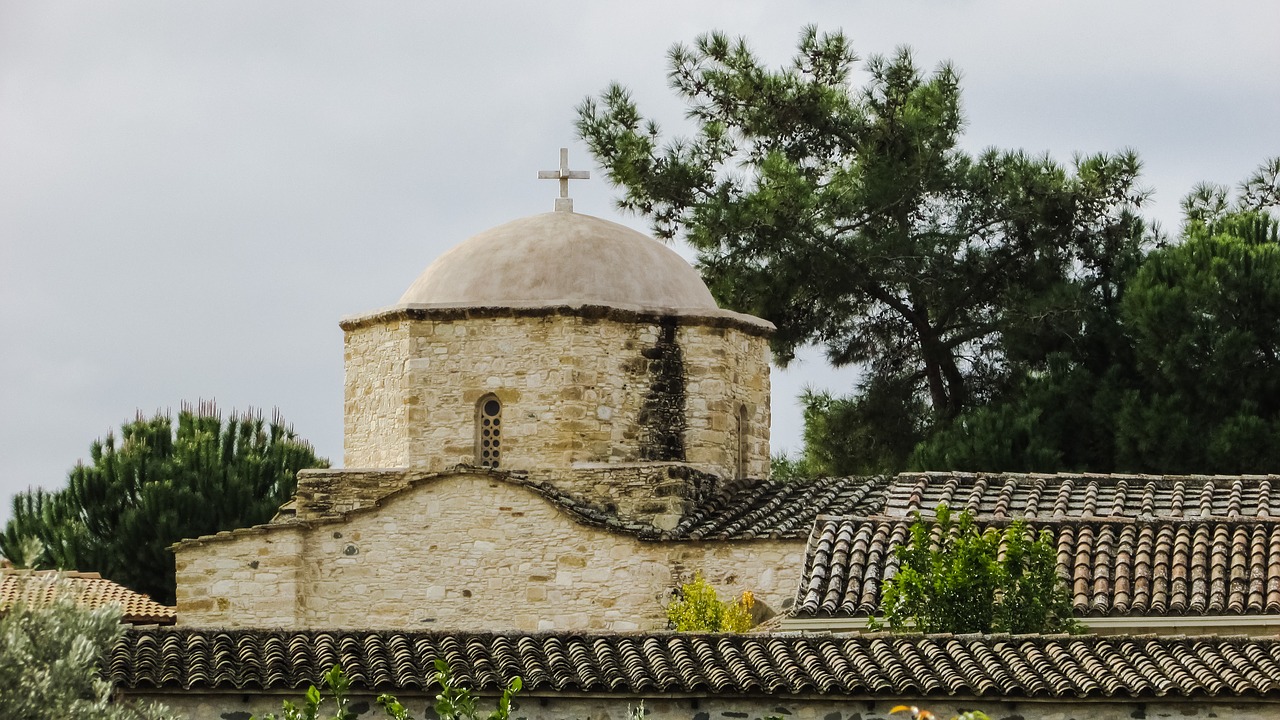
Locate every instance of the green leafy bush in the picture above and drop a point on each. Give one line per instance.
(952, 578)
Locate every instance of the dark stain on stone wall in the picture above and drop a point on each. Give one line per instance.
(662, 415)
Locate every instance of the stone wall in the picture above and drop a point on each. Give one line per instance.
(557, 706)
(260, 571)
(657, 493)
(577, 385)
(654, 493)
(464, 551)
(376, 410)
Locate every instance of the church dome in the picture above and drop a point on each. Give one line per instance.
(561, 258)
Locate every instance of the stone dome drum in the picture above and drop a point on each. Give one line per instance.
(561, 258)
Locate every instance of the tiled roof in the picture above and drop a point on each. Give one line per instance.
(781, 509)
(740, 510)
(1112, 567)
(91, 590)
(645, 664)
(1014, 495)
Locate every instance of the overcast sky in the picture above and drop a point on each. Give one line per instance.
(192, 194)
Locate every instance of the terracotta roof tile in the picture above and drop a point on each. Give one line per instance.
(781, 509)
(1112, 567)
(91, 589)
(1015, 495)
(822, 664)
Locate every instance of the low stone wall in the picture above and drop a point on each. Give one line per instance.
(465, 551)
(238, 706)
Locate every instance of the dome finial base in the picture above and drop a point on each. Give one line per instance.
(564, 203)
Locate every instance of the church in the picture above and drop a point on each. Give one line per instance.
(556, 426)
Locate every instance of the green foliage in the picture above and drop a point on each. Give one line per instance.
(864, 434)
(1060, 419)
(954, 579)
(1177, 375)
(698, 609)
(452, 702)
(51, 653)
(787, 467)
(458, 703)
(339, 688)
(849, 217)
(1205, 317)
(156, 485)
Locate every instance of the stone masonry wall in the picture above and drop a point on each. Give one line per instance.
(466, 551)
(252, 571)
(655, 493)
(575, 388)
(556, 706)
(376, 412)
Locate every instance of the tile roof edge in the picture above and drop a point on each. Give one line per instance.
(987, 520)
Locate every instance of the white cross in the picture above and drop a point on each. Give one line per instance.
(564, 203)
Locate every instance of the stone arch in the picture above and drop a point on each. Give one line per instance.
(489, 432)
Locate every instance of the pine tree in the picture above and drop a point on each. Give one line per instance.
(156, 485)
(850, 217)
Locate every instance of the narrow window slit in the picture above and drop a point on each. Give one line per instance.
(489, 432)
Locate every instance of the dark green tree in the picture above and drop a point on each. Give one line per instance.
(1175, 373)
(850, 218)
(1205, 317)
(158, 484)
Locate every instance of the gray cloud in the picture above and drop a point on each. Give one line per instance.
(191, 195)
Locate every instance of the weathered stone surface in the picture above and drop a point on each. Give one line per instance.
(559, 257)
(660, 706)
(462, 551)
(574, 389)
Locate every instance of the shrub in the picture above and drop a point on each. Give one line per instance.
(698, 609)
(51, 653)
(954, 579)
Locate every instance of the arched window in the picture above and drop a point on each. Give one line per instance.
(743, 433)
(489, 431)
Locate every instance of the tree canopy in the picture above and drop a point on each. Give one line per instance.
(850, 217)
(1180, 379)
(1007, 312)
(158, 484)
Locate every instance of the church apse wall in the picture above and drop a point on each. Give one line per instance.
(462, 552)
(575, 385)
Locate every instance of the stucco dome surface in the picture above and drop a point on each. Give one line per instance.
(561, 258)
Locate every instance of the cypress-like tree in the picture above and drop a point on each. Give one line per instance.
(157, 484)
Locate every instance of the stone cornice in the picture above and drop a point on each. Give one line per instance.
(617, 313)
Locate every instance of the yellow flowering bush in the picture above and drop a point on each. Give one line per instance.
(698, 609)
